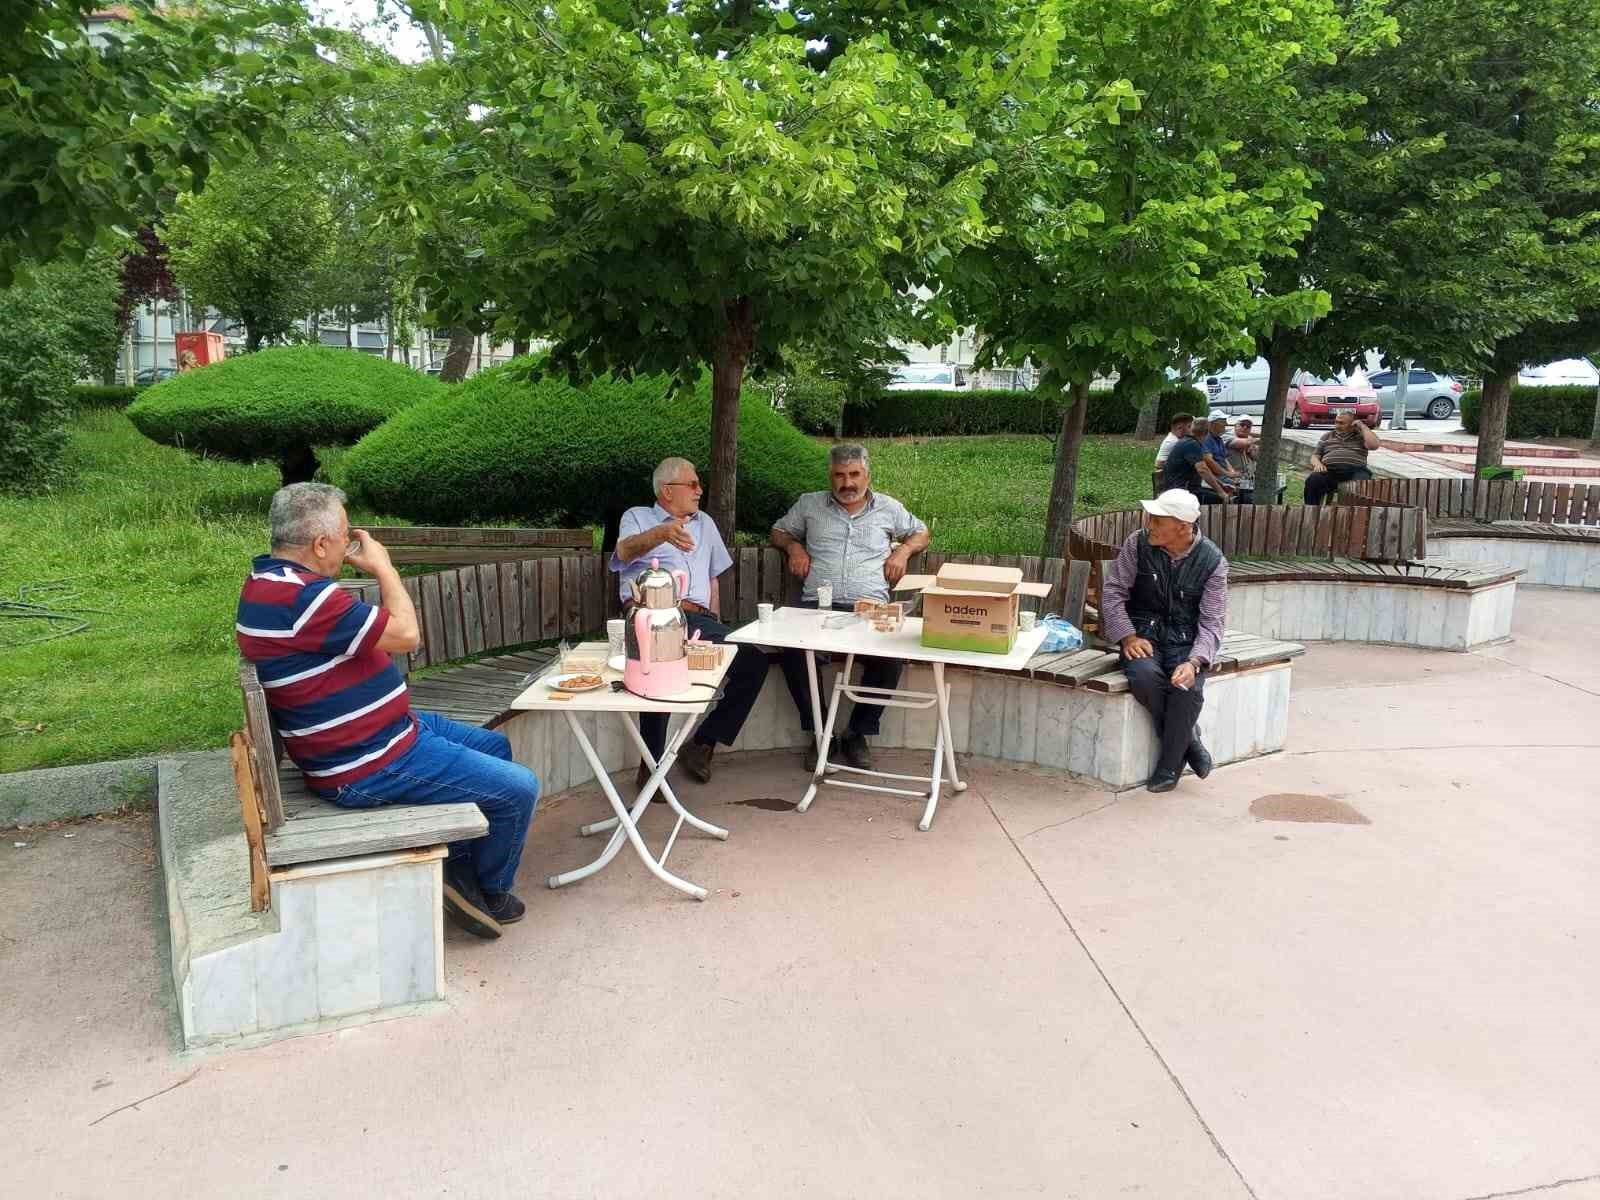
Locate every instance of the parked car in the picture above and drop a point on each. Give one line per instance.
(1427, 394)
(1567, 372)
(145, 376)
(1239, 389)
(1317, 399)
(927, 377)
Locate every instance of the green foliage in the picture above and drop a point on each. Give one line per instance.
(94, 395)
(278, 404)
(812, 403)
(55, 322)
(1538, 411)
(503, 446)
(933, 413)
(254, 246)
(96, 134)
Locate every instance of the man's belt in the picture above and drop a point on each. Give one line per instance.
(686, 605)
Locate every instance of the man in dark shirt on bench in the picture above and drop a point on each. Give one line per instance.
(1187, 467)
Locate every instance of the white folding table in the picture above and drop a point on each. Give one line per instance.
(809, 630)
(682, 716)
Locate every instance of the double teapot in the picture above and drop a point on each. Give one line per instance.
(657, 635)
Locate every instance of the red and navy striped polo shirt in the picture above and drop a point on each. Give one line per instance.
(337, 701)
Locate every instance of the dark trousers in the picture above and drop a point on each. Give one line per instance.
(1322, 484)
(1174, 710)
(875, 672)
(740, 687)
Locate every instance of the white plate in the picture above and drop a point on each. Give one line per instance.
(555, 684)
(617, 662)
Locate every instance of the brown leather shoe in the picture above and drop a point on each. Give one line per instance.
(695, 758)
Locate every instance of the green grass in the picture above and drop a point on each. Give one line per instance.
(160, 539)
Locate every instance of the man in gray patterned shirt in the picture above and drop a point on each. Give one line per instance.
(845, 537)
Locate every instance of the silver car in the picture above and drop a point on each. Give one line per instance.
(1435, 397)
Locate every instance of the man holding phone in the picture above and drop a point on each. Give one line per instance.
(1165, 602)
(343, 710)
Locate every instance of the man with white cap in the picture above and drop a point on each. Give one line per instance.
(1189, 467)
(1164, 602)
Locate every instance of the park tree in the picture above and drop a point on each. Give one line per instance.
(1480, 252)
(676, 188)
(255, 246)
(144, 275)
(1128, 241)
(99, 133)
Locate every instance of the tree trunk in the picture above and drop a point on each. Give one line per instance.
(737, 340)
(388, 334)
(298, 465)
(1149, 411)
(1492, 411)
(252, 338)
(1594, 433)
(1267, 454)
(458, 356)
(1058, 517)
(519, 347)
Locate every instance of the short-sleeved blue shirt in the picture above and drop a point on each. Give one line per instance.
(705, 562)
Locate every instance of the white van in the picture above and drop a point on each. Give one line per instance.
(1239, 389)
(1568, 372)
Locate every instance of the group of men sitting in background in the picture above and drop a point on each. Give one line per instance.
(1202, 458)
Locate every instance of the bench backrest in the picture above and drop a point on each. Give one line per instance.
(1484, 499)
(261, 745)
(1375, 532)
(451, 546)
(471, 610)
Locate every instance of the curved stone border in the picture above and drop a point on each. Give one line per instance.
(1382, 611)
(1100, 735)
(1545, 561)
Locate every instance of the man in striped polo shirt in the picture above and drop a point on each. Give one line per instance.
(343, 711)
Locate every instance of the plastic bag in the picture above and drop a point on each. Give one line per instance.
(1060, 636)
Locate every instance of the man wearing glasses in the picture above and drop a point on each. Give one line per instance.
(676, 534)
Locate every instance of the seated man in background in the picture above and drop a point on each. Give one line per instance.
(845, 537)
(1340, 456)
(1179, 429)
(343, 711)
(674, 532)
(1242, 450)
(1188, 467)
(1164, 602)
(1215, 443)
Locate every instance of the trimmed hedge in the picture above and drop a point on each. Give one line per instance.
(1538, 411)
(94, 395)
(278, 404)
(500, 447)
(812, 403)
(917, 413)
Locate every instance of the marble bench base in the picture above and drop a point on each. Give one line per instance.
(1102, 736)
(343, 942)
(1435, 618)
(1547, 562)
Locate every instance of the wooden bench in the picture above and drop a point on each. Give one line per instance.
(450, 546)
(1549, 531)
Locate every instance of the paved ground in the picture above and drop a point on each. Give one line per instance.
(1056, 992)
(1410, 463)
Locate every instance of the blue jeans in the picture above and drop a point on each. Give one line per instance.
(452, 763)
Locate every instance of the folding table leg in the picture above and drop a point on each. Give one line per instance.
(627, 821)
(826, 740)
(943, 690)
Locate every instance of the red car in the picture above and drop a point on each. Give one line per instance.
(1317, 399)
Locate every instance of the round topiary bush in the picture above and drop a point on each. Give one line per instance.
(500, 446)
(279, 404)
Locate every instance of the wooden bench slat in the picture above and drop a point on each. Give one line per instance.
(345, 833)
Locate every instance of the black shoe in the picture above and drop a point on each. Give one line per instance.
(853, 749)
(1162, 781)
(696, 759)
(1198, 758)
(809, 756)
(505, 908)
(464, 903)
(640, 778)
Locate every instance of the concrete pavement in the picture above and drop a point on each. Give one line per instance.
(1056, 992)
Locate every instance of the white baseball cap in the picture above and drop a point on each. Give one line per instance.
(1174, 502)
(1217, 416)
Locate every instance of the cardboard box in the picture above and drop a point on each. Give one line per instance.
(969, 606)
